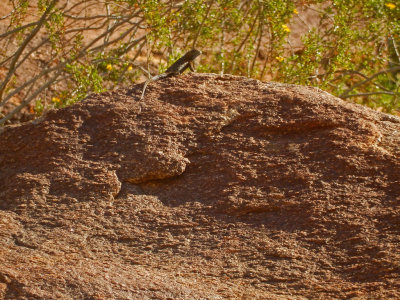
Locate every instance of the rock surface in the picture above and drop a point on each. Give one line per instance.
(222, 187)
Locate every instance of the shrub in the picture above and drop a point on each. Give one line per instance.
(351, 51)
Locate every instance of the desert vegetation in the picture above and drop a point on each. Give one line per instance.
(55, 52)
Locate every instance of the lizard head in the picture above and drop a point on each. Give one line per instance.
(194, 53)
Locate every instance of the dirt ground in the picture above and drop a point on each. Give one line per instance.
(222, 187)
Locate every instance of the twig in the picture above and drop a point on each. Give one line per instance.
(260, 36)
(368, 94)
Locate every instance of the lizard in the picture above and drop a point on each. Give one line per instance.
(176, 68)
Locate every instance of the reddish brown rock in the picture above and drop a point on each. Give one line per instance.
(222, 187)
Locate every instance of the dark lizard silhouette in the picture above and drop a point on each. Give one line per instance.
(176, 68)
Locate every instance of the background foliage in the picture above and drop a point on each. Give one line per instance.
(77, 47)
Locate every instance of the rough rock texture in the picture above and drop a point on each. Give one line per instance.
(221, 187)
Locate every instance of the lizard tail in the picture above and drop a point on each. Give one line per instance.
(155, 78)
(144, 89)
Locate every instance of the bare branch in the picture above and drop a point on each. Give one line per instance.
(29, 99)
(12, 69)
(345, 93)
(18, 29)
(202, 24)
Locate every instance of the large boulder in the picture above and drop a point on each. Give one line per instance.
(211, 187)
